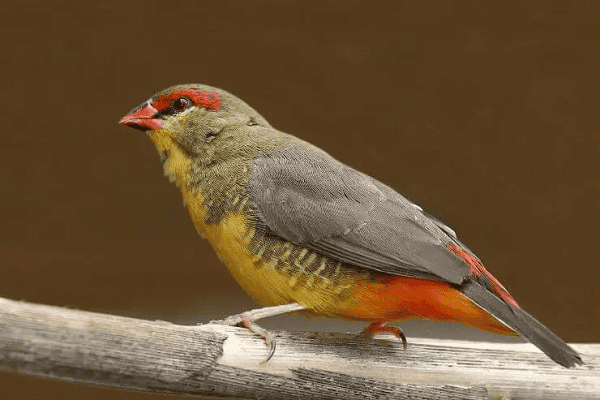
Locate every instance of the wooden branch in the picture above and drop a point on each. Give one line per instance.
(216, 360)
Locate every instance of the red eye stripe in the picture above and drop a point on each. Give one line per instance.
(210, 101)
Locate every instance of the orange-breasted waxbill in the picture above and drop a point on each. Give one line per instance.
(294, 225)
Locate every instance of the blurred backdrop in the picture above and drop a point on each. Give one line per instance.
(483, 113)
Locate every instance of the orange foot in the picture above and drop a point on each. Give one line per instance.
(378, 327)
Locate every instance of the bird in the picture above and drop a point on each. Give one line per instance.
(300, 230)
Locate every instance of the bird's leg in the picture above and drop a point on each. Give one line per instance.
(379, 327)
(246, 320)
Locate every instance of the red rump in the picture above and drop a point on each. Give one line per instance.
(479, 270)
(210, 101)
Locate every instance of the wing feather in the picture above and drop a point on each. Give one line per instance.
(305, 196)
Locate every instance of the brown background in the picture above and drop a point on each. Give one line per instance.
(486, 115)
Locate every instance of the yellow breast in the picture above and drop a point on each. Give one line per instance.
(280, 279)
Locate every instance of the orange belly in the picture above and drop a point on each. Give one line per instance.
(397, 298)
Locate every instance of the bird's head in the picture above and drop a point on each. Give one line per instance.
(199, 122)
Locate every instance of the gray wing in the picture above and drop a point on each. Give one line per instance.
(303, 195)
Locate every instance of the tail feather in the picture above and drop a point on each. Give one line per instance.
(523, 323)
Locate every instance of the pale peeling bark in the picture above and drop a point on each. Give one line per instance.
(217, 360)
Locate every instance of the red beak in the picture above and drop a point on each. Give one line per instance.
(144, 117)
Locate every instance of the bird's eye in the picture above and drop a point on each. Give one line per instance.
(181, 104)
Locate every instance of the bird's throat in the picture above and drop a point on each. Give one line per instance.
(176, 162)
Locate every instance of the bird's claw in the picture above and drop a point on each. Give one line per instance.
(379, 328)
(243, 321)
(266, 335)
(246, 320)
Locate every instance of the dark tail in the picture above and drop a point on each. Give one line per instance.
(524, 324)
